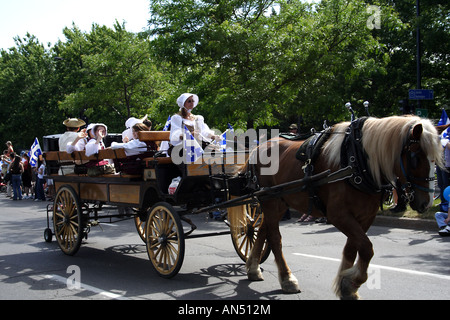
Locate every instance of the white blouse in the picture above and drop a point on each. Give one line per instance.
(79, 146)
(131, 148)
(177, 128)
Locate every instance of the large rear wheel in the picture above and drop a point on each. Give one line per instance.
(244, 230)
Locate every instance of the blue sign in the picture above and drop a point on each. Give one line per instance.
(421, 94)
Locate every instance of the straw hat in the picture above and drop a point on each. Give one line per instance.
(74, 123)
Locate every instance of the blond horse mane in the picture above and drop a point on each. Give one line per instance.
(383, 140)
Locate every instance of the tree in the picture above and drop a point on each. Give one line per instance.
(27, 91)
(257, 62)
(115, 76)
(400, 45)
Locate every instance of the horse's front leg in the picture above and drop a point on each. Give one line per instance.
(350, 277)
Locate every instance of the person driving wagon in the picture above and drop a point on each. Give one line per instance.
(194, 123)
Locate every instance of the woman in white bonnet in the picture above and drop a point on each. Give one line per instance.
(195, 123)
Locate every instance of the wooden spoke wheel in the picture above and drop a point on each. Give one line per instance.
(245, 231)
(139, 222)
(67, 220)
(164, 239)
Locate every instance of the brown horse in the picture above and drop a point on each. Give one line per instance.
(405, 148)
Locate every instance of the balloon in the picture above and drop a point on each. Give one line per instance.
(447, 193)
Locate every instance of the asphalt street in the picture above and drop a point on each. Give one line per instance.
(113, 264)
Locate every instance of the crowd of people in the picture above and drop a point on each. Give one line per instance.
(19, 179)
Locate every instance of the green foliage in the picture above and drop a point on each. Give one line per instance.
(253, 63)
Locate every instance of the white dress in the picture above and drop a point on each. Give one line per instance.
(177, 129)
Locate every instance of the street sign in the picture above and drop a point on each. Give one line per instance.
(423, 113)
(421, 94)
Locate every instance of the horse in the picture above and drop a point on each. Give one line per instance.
(406, 148)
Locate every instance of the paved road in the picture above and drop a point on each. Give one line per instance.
(113, 264)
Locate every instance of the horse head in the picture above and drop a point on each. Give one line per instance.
(416, 166)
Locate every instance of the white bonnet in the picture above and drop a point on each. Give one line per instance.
(182, 99)
(94, 127)
(132, 121)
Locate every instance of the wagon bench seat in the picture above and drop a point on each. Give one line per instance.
(81, 156)
(156, 136)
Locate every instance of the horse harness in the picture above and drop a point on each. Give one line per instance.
(354, 167)
(353, 160)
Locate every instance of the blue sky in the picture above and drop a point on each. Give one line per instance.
(47, 18)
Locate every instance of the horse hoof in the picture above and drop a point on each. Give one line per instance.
(348, 290)
(290, 285)
(255, 276)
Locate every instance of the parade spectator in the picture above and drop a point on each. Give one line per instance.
(40, 194)
(26, 177)
(443, 221)
(16, 169)
(10, 148)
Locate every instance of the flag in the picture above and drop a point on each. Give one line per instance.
(35, 152)
(192, 148)
(223, 141)
(444, 119)
(445, 135)
(167, 125)
(165, 144)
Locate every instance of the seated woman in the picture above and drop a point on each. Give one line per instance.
(97, 167)
(195, 123)
(79, 144)
(135, 146)
(127, 135)
(135, 150)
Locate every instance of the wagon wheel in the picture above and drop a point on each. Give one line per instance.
(165, 239)
(244, 232)
(139, 222)
(67, 221)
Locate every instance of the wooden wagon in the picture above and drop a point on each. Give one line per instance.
(159, 216)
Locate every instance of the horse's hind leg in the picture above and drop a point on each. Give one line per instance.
(253, 270)
(288, 281)
(270, 230)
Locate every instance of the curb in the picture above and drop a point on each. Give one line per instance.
(395, 222)
(405, 223)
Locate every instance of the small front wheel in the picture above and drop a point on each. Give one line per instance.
(67, 220)
(165, 239)
(48, 235)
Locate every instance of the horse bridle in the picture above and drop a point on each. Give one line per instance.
(411, 162)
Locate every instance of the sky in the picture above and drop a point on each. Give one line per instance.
(46, 19)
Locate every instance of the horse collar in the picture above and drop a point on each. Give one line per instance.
(353, 154)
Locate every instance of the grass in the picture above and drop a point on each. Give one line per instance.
(410, 213)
